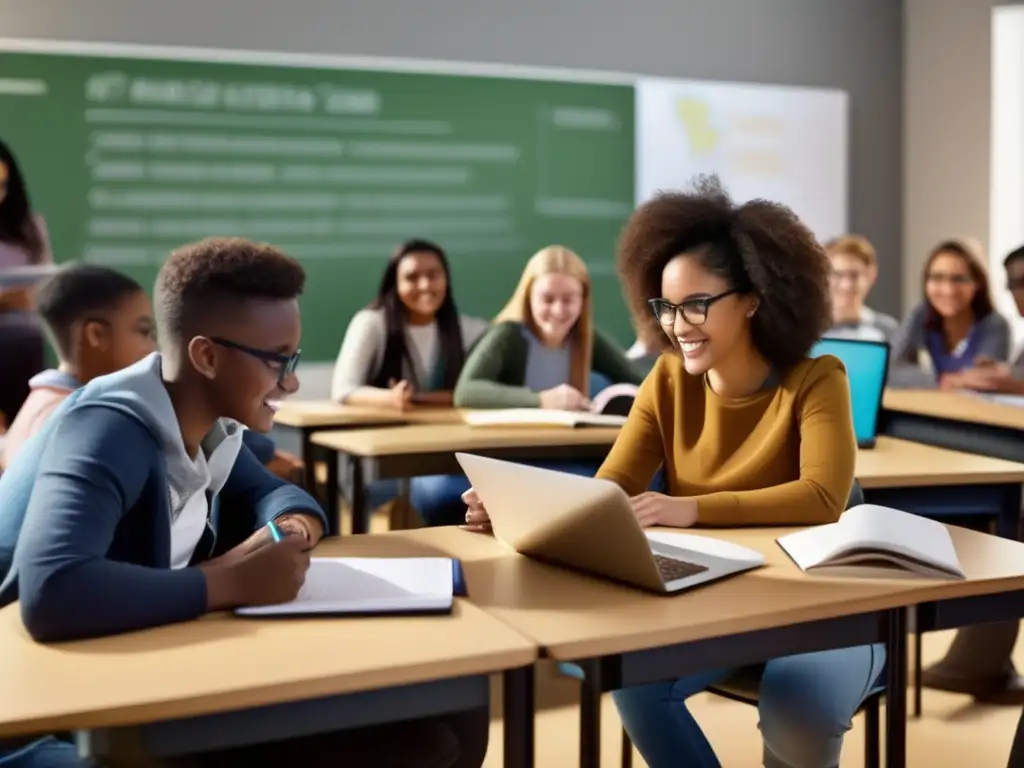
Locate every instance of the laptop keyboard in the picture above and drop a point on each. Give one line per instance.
(672, 569)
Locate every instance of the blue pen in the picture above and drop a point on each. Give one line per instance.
(274, 531)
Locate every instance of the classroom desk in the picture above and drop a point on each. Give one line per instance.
(223, 681)
(919, 478)
(309, 416)
(889, 473)
(624, 637)
(957, 420)
(418, 450)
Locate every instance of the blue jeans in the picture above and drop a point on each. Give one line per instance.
(807, 703)
(47, 752)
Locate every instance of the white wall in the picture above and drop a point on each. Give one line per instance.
(947, 129)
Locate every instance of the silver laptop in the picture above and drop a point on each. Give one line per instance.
(588, 524)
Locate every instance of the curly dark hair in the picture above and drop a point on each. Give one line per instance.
(758, 247)
(216, 273)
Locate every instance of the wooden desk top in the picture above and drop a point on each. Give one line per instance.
(896, 463)
(575, 616)
(448, 438)
(222, 663)
(971, 409)
(314, 414)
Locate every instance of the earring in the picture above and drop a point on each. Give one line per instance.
(750, 313)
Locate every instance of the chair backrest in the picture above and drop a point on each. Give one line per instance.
(867, 367)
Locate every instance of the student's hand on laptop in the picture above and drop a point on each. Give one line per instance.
(268, 575)
(564, 397)
(477, 518)
(658, 509)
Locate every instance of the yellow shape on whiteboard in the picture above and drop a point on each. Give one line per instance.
(696, 117)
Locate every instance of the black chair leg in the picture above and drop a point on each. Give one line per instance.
(918, 636)
(872, 738)
(627, 751)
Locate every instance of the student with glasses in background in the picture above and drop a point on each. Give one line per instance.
(854, 272)
(954, 327)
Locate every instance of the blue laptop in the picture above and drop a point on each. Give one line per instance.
(867, 366)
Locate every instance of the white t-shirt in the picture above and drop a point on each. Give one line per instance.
(362, 351)
(188, 485)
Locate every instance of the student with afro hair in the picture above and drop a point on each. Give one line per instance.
(751, 432)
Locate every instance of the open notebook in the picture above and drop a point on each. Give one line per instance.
(869, 535)
(608, 409)
(360, 586)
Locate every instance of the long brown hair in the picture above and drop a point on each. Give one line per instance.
(970, 253)
(449, 327)
(17, 222)
(557, 260)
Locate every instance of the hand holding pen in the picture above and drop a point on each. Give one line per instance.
(268, 574)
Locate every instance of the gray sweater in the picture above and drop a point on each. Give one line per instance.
(911, 366)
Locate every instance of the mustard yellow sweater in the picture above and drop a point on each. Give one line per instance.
(782, 456)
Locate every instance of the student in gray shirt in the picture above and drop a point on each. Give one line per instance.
(854, 272)
(991, 375)
(954, 327)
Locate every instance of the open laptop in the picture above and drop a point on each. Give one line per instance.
(588, 524)
(867, 368)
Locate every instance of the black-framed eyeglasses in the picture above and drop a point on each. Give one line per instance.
(695, 311)
(285, 365)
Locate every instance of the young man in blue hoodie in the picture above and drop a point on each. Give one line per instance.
(137, 504)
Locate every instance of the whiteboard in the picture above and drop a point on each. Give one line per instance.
(784, 144)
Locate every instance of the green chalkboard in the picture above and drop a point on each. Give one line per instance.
(127, 157)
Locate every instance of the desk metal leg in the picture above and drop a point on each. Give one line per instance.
(331, 492)
(308, 461)
(518, 716)
(590, 714)
(357, 501)
(896, 690)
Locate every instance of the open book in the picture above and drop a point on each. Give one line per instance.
(359, 586)
(608, 409)
(869, 535)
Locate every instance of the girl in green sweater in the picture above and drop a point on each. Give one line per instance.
(543, 348)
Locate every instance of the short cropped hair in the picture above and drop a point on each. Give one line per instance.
(758, 247)
(855, 245)
(79, 292)
(1013, 257)
(218, 271)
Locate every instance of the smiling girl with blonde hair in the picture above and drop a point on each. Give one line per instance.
(543, 346)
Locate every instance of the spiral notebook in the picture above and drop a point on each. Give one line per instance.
(361, 586)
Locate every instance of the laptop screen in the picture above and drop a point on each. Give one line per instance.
(867, 364)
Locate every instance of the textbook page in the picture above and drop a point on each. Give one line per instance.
(868, 533)
(356, 585)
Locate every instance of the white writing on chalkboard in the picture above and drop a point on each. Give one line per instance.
(112, 87)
